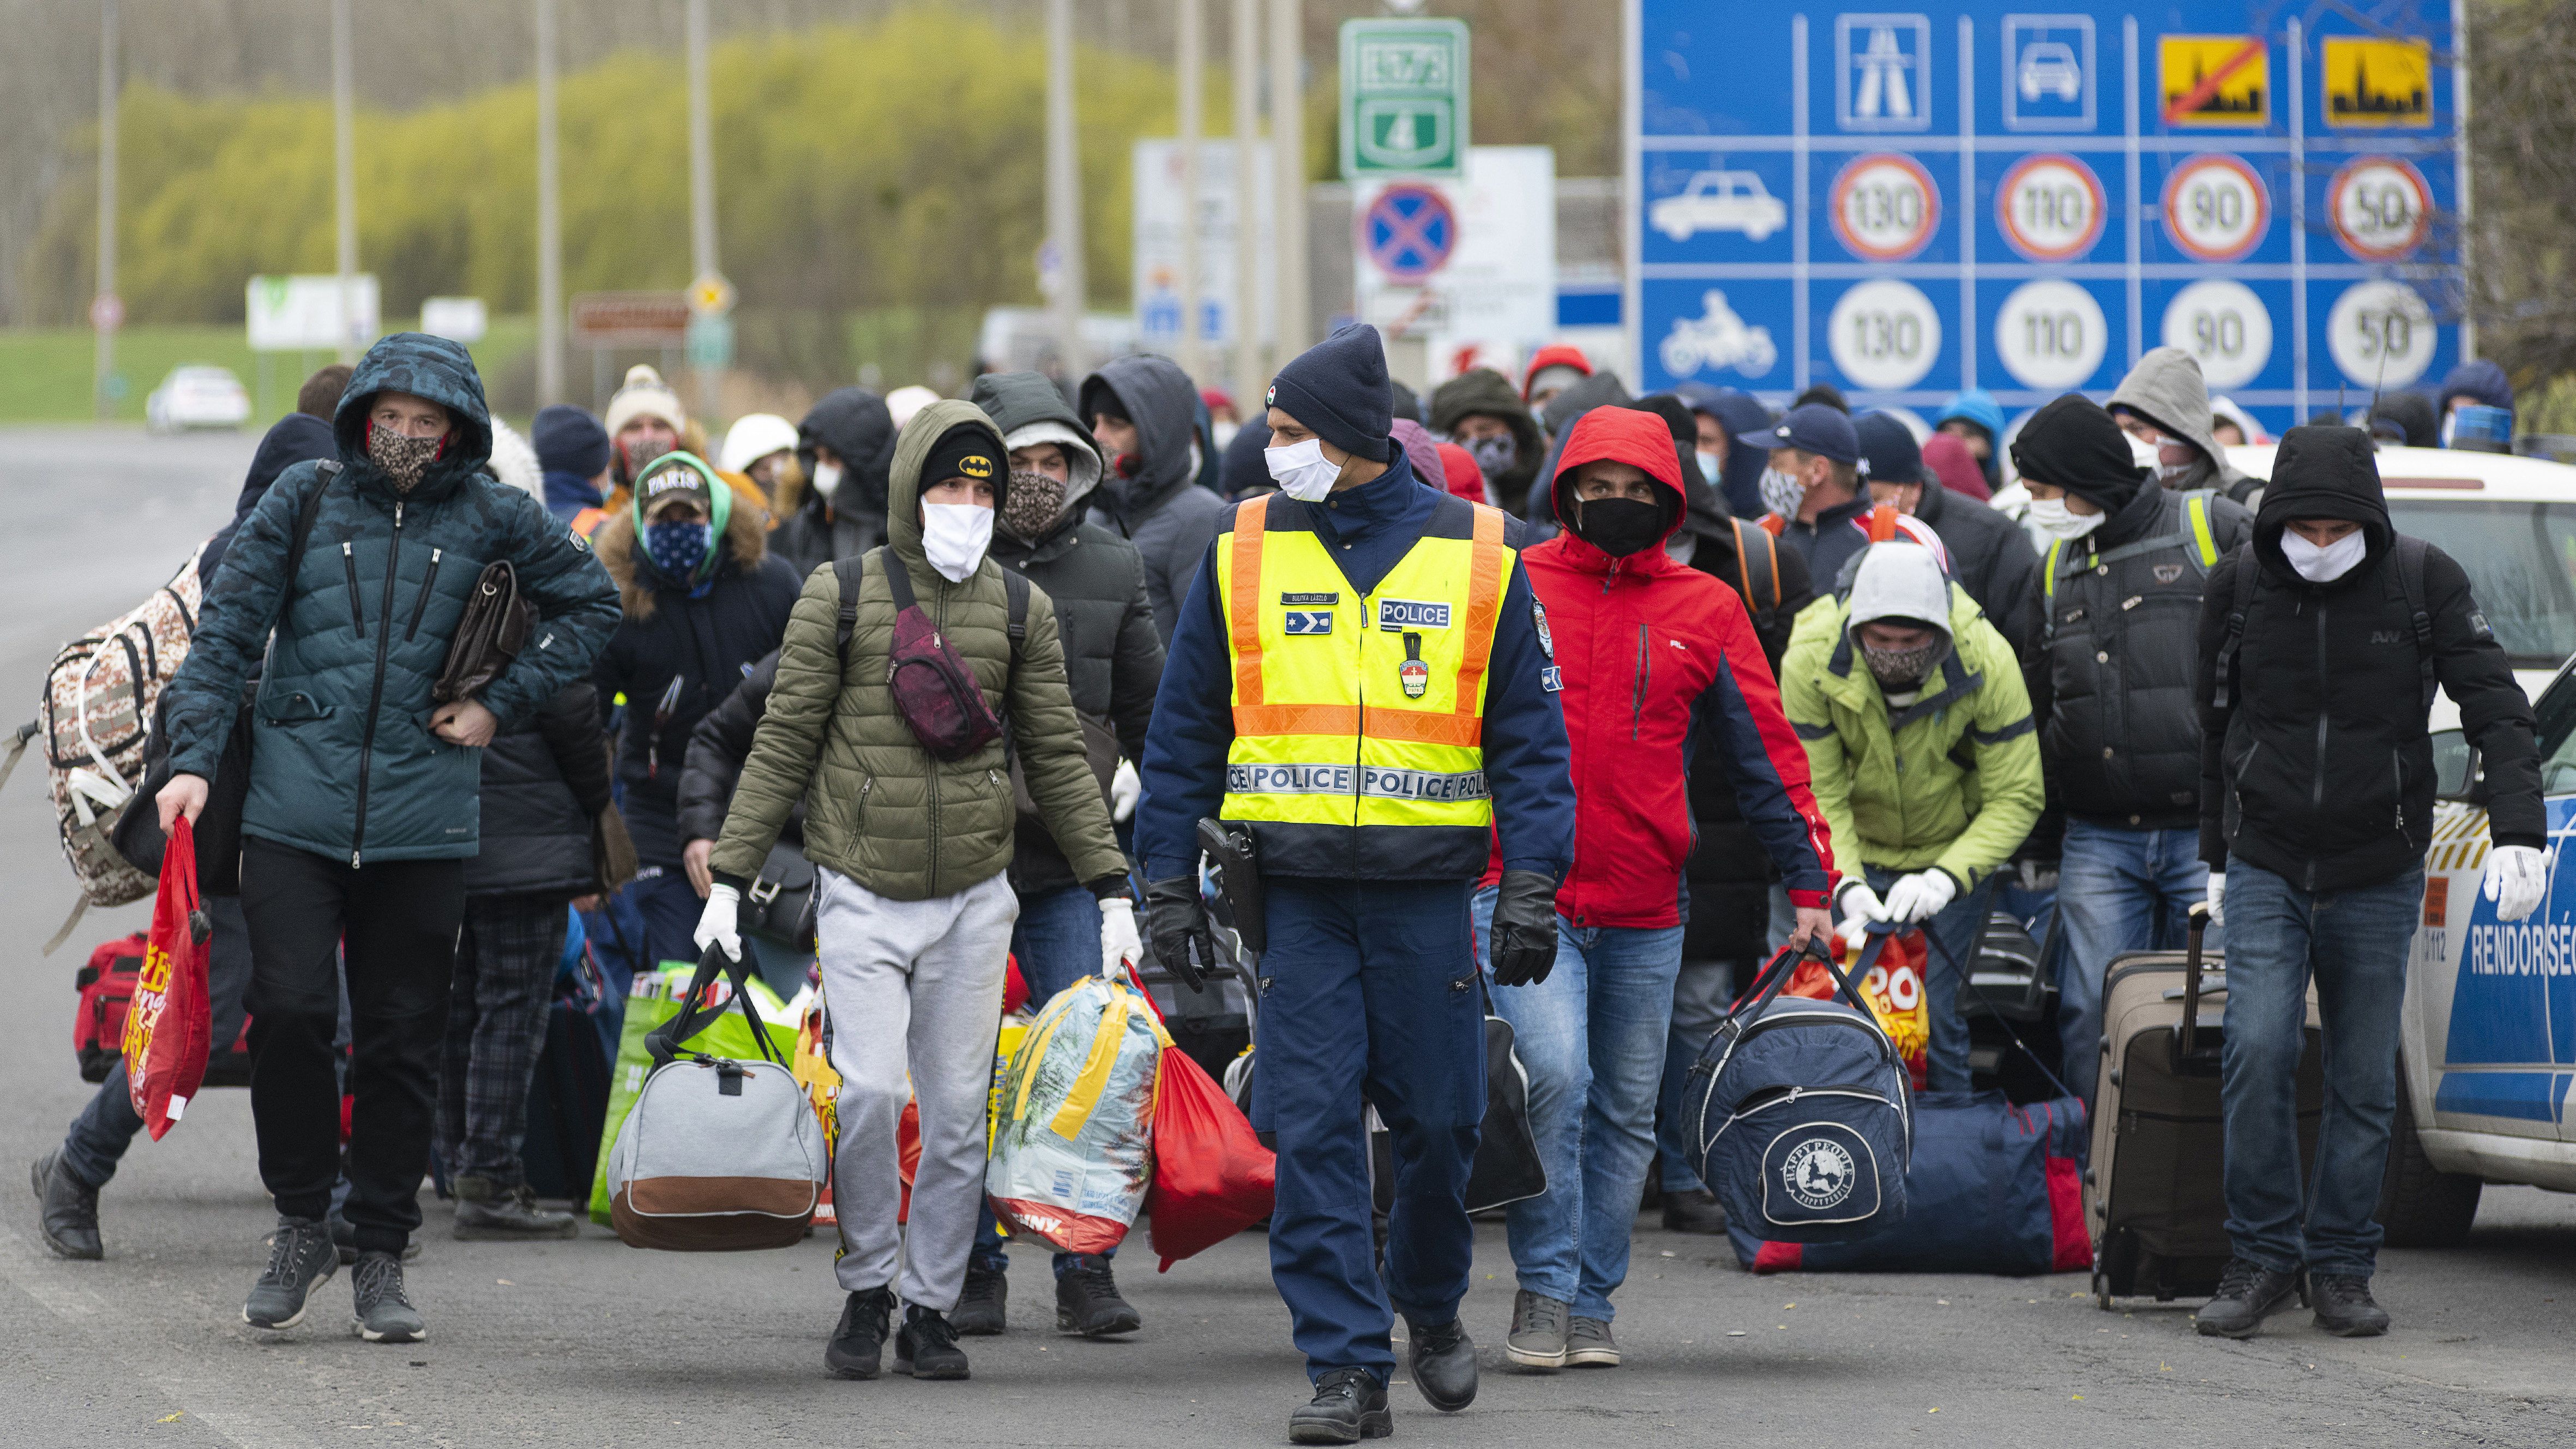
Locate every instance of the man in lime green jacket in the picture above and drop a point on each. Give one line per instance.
(1923, 758)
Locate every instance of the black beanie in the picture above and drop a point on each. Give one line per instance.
(965, 451)
(2073, 444)
(1339, 388)
(569, 440)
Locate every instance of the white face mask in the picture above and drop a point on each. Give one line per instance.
(1783, 493)
(1301, 470)
(827, 479)
(2324, 565)
(2051, 516)
(1710, 464)
(954, 537)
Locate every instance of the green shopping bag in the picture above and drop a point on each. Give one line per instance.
(655, 1000)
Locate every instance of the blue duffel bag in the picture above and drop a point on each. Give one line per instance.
(1798, 1113)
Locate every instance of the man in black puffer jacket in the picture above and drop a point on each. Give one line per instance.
(2320, 645)
(835, 506)
(545, 784)
(1142, 413)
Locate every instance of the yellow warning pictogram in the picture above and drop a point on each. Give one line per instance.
(2215, 80)
(2386, 84)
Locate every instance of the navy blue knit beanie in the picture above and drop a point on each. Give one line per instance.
(569, 440)
(1338, 387)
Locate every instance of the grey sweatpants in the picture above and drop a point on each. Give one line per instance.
(913, 984)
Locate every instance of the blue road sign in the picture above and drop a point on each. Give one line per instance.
(1410, 232)
(1908, 203)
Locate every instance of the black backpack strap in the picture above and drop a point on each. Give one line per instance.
(306, 511)
(1758, 582)
(898, 582)
(2243, 600)
(1015, 587)
(848, 572)
(2409, 553)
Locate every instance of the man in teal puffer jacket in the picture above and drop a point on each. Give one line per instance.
(363, 800)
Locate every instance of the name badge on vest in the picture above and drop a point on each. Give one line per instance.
(1413, 673)
(1303, 622)
(1398, 614)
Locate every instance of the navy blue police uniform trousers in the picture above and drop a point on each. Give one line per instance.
(1368, 997)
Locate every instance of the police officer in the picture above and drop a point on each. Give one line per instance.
(1361, 678)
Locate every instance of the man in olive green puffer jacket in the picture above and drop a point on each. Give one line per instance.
(914, 912)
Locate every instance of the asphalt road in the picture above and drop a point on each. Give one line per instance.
(591, 1343)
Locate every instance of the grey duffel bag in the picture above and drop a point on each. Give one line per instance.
(716, 1154)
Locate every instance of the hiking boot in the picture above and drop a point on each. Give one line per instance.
(2345, 1307)
(1588, 1344)
(2247, 1293)
(382, 1309)
(1349, 1405)
(926, 1348)
(1693, 1210)
(1442, 1364)
(858, 1344)
(984, 1307)
(300, 1259)
(1537, 1338)
(66, 1209)
(344, 1241)
(489, 1212)
(1087, 1301)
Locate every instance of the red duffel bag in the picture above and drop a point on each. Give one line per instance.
(169, 1027)
(1212, 1176)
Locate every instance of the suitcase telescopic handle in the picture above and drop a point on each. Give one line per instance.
(2189, 1038)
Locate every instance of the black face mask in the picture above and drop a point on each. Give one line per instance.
(1619, 526)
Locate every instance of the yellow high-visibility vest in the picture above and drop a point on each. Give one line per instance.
(1359, 718)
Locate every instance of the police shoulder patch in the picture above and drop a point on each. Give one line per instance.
(1538, 617)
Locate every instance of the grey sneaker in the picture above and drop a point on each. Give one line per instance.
(488, 1212)
(300, 1259)
(381, 1309)
(1537, 1339)
(1588, 1344)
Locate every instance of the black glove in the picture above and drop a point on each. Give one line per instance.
(1524, 934)
(1176, 919)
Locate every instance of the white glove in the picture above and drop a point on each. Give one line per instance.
(1920, 896)
(1124, 789)
(716, 922)
(1860, 906)
(1119, 943)
(2517, 878)
(2217, 897)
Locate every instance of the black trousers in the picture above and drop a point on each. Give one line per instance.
(395, 925)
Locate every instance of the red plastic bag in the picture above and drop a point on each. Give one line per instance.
(170, 1027)
(1212, 1176)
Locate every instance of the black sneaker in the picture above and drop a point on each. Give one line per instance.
(486, 1211)
(344, 1241)
(2345, 1307)
(383, 1311)
(1349, 1405)
(1087, 1301)
(1441, 1361)
(983, 1309)
(66, 1209)
(858, 1344)
(926, 1346)
(1693, 1210)
(2247, 1293)
(300, 1259)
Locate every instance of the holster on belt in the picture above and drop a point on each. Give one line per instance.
(1238, 878)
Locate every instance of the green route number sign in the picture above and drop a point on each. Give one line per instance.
(1404, 98)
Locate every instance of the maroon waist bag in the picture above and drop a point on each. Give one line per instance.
(934, 687)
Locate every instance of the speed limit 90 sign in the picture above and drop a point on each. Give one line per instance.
(2216, 209)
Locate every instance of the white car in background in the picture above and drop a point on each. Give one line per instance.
(2488, 1038)
(197, 396)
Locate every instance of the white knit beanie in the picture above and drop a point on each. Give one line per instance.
(645, 394)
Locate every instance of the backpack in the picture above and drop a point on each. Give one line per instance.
(2407, 553)
(934, 688)
(106, 987)
(1759, 584)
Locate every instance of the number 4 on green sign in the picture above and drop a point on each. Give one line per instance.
(1404, 97)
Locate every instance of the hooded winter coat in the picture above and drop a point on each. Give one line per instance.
(1739, 478)
(1654, 654)
(2318, 767)
(1483, 391)
(698, 642)
(2166, 389)
(1978, 408)
(813, 530)
(1991, 557)
(344, 764)
(2479, 381)
(295, 438)
(1951, 781)
(1152, 498)
(879, 809)
(1113, 659)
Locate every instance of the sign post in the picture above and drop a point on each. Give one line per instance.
(1404, 98)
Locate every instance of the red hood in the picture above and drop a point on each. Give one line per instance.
(1459, 470)
(1618, 435)
(1560, 355)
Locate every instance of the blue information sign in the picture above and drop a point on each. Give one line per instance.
(1910, 203)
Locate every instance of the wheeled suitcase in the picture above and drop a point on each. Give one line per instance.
(2153, 1189)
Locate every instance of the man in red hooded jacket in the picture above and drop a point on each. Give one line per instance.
(1655, 657)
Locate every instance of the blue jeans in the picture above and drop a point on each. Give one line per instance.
(2355, 943)
(1955, 933)
(1058, 942)
(1592, 1038)
(2117, 890)
(1701, 996)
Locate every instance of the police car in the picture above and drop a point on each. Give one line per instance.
(2489, 1032)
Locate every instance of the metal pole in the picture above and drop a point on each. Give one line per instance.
(104, 365)
(702, 183)
(550, 302)
(1064, 190)
(1193, 50)
(1246, 301)
(1288, 171)
(345, 174)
